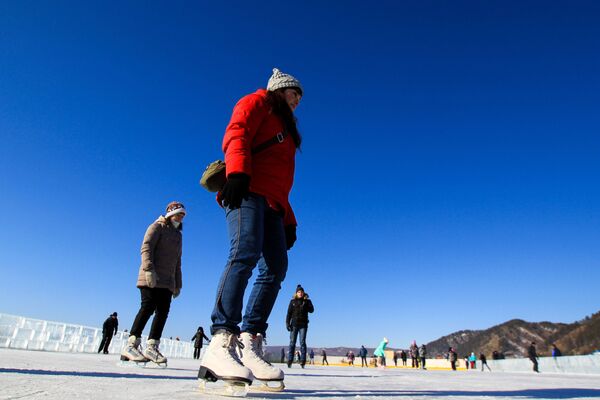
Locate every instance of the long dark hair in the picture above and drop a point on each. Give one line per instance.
(281, 108)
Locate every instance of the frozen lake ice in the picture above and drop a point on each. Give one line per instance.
(47, 375)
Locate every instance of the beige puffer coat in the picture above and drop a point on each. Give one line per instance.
(161, 252)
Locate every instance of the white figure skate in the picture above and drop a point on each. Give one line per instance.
(222, 363)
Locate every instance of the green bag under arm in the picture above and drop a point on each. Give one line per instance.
(213, 179)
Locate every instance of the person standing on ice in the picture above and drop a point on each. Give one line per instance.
(324, 357)
(484, 363)
(380, 352)
(159, 280)
(109, 328)
(296, 322)
(198, 338)
(261, 227)
(532, 354)
(363, 357)
(452, 357)
(423, 355)
(414, 354)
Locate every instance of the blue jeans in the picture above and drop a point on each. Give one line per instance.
(256, 237)
(293, 336)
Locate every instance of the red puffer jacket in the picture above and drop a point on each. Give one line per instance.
(271, 170)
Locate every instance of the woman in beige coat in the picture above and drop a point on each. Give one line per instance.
(159, 280)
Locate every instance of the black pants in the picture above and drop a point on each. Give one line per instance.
(415, 362)
(363, 361)
(404, 362)
(197, 351)
(423, 362)
(535, 364)
(106, 338)
(154, 301)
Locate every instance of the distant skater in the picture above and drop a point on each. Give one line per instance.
(324, 357)
(414, 354)
(198, 337)
(556, 351)
(363, 357)
(452, 357)
(403, 357)
(473, 360)
(423, 355)
(109, 328)
(484, 362)
(532, 354)
(380, 352)
(312, 356)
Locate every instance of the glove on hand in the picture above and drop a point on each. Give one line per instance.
(290, 236)
(176, 292)
(236, 188)
(151, 278)
(289, 328)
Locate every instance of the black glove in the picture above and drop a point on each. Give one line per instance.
(290, 236)
(289, 328)
(236, 188)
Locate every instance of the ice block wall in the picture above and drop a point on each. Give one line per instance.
(33, 334)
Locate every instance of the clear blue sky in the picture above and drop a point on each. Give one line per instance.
(448, 178)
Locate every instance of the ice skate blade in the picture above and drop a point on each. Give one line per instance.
(128, 363)
(268, 386)
(152, 364)
(224, 388)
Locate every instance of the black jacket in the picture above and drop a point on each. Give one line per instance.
(111, 324)
(197, 338)
(531, 352)
(298, 310)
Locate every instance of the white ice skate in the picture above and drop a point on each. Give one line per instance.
(263, 371)
(222, 363)
(153, 354)
(132, 352)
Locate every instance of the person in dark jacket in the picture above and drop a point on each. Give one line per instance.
(484, 363)
(324, 357)
(198, 337)
(423, 355)
(556, 351)
(363, 356)
(296, 322)
(109, 328)
(159, 280)
(532, 354)
(403, 356)
(452, 357)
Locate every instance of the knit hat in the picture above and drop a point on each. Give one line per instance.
(280, 80)
(174, 208)
(299, 287)
(113, 314)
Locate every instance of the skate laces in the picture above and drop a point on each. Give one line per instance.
(232, 344)
(256, 344)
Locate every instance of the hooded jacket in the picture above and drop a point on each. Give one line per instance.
(198, 336)
(161, 252)
(271, 171)
(380, 350)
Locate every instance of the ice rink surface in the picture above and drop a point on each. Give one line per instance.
(45, 375)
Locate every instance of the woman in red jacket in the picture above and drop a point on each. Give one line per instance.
(260, 146)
